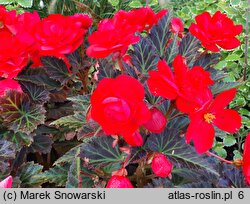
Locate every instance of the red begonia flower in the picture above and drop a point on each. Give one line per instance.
(157, 122)
(177, 25)
(110, 38)
(185, 85)
(119, 182)
(6, 183)
(201, 129)
(117, 105)
(216, 30)
(13, 54)
(161, 166)
(138, 19)
(246, 159)
(57, 35)
(9, 84)
(116, 34)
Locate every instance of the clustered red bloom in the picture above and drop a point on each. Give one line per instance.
(216, 30)
(190, 89)
(58, 35)
(118, 110)
(184, 85)
(161, 166)
(6, 183)
(116, 34)
(25, 37)
(246, 159)
(119, 182)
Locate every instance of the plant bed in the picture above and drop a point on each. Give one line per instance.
(135, 99)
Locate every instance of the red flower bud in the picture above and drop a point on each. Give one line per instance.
(161, 166)
(6, 183)
(157, 122)
(119, 182)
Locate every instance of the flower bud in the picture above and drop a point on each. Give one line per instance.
(157, 122)
(119, 182)
(161, 166)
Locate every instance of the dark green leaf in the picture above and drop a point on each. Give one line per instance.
(41, 144)
(100, 151)
(171, 144)
(7, 152)
(73, 179)
(144, 56)
(69, 156)
(19, 114)
(189, 47)
(160, 183)
(231, 177)
(39, 77)
(222, 86)
(57, 174)
(29, 175)
(107, 69)
(56, 68)
(171, 51)
(201, 184)
(37, 93)
(207, 60)
(160, 34)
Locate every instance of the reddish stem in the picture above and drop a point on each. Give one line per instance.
(218, 157)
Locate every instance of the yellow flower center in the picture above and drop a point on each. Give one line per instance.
(209, 117)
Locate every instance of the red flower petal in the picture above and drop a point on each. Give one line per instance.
(129, 88)
(228, 120)
(162, 82)
(228, 43)
(246, 159)
(6, 183)
(222, 100)
(180, 68)
(9, 84)
(202, 134)
(134, 139)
